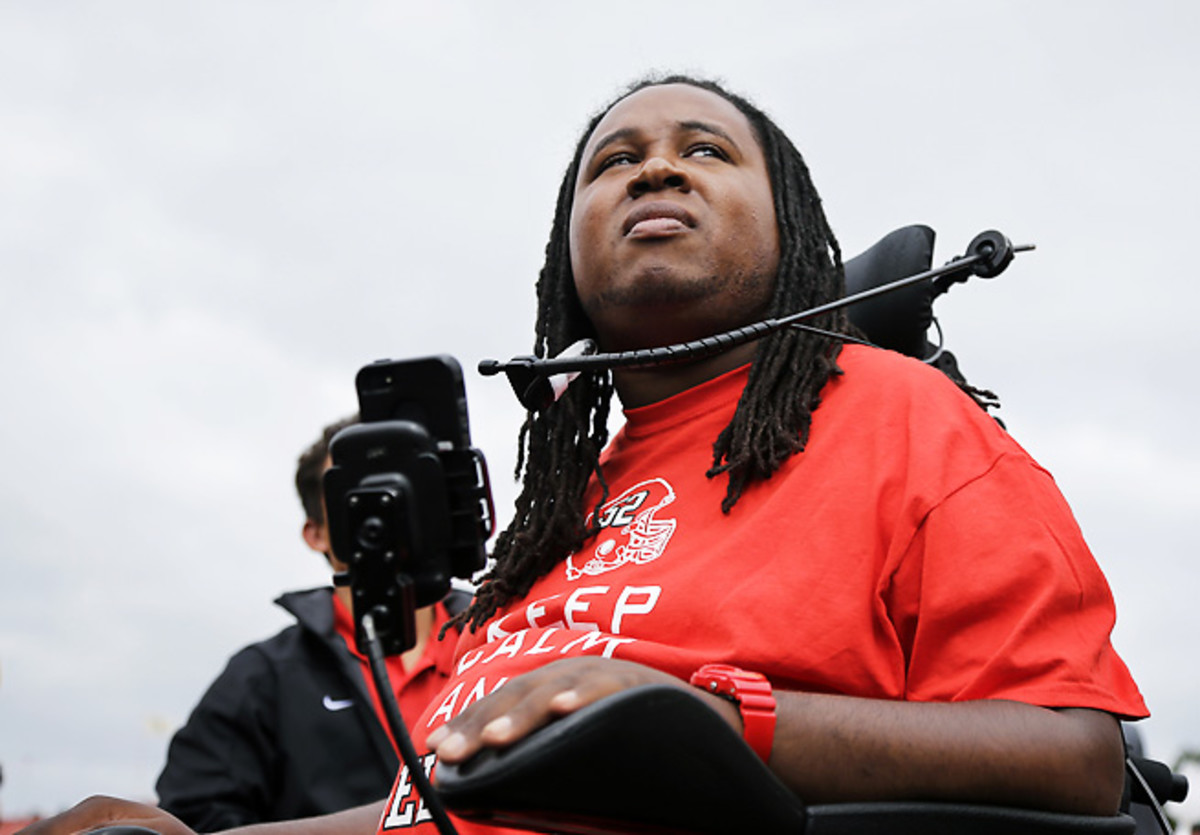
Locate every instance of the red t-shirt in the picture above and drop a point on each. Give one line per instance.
(912, 552)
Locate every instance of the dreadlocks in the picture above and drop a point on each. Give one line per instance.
(560, 446)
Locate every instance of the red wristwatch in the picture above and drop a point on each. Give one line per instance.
(751, 692)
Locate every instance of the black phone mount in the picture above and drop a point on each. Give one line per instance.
(408, 498)
(409, 507)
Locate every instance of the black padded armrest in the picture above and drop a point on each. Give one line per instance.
(914, 818)
(653, 759)
(657, 760)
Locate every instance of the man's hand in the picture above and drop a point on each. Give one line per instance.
(538, 697)
(99, 811)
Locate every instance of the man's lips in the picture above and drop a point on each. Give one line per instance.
(656, 219)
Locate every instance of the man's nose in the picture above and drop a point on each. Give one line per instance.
(657, 173)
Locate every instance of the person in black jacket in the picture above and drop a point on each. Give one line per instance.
(292, 727)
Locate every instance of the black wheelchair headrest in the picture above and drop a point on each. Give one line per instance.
(897, 320)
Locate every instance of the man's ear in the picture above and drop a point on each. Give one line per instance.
(316, 536)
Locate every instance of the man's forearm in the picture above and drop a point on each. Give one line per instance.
(361, 820)
(837, 748)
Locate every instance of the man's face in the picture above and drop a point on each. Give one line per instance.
(673, 234)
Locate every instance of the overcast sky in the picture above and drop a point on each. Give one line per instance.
(212, 214)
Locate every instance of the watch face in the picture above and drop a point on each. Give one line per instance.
(714, 678)
(751, 692)
(730, 682)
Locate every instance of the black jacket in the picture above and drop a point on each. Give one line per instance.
(271, 739)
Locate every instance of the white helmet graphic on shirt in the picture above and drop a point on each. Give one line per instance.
(631, 516)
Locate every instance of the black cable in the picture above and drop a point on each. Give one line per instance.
(408, 754)
(1151, 799)
(839, 337)
(988, 255)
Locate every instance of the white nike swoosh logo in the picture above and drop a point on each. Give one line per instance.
(336, 704)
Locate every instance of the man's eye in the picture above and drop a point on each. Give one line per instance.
(623, 158)
(706, 149)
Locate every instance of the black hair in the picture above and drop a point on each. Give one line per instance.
(311, 466)
(559, 448)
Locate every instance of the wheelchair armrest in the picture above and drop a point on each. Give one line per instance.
(930, 818)
(653, 759)
(656, 759)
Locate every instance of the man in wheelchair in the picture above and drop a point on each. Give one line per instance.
(832, 546)
(839, 523)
